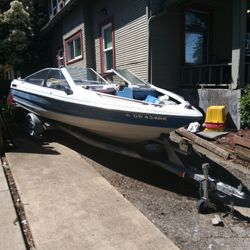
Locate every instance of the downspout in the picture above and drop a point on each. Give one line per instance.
(150, 18)
(148, 14)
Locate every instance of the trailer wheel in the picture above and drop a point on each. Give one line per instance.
(34, 125)
(202, 206)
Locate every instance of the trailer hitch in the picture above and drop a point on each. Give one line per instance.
(219, 190)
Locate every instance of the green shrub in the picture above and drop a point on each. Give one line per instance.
(245, 107)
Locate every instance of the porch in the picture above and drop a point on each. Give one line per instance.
(211, 75)
(202, 50)
(201, 44)
(202, 66)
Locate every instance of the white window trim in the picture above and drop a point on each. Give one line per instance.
(103, 46)
(72, 39)
(74, 50)
(55, 9)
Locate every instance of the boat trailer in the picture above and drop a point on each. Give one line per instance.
(209, 186)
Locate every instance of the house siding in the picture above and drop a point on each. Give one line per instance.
(72, 23)
(130, 31)
(82, 62)
(69, 24)
(156, 6)
(222, 31)
(165, 41)
(56, 43)
(89, 39)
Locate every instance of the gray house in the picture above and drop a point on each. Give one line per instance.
(200, 49)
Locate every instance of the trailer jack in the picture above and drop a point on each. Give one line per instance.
(204, 203)
(219, 190)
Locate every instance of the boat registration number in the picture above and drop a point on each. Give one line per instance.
(147, 117)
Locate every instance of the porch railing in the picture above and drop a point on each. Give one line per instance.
(210, 75)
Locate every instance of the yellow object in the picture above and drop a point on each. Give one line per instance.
(215, 114)
(215, 118)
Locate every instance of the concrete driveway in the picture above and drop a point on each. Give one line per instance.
(69, 205)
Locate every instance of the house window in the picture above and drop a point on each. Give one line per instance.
(196, 37)
(60, 4)
(55, 6)
(107, 46)
(73, 48)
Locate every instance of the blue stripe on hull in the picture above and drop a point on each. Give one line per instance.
(97, 113)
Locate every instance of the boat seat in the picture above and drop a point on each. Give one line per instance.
(142, 93)
(110, 91)
(126, 93)
(152, 99)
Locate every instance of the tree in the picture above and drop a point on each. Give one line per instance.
(245, 107)
(16, 31)
(20, 23)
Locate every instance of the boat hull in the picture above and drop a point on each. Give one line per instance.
(122, 126)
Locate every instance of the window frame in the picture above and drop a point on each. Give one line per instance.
(53, 10)
(109, 22)
(199, 9)
(67, 41)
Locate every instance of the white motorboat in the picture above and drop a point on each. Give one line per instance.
(127, 109)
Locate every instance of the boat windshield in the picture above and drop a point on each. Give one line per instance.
(85, 76)
(129, 77)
